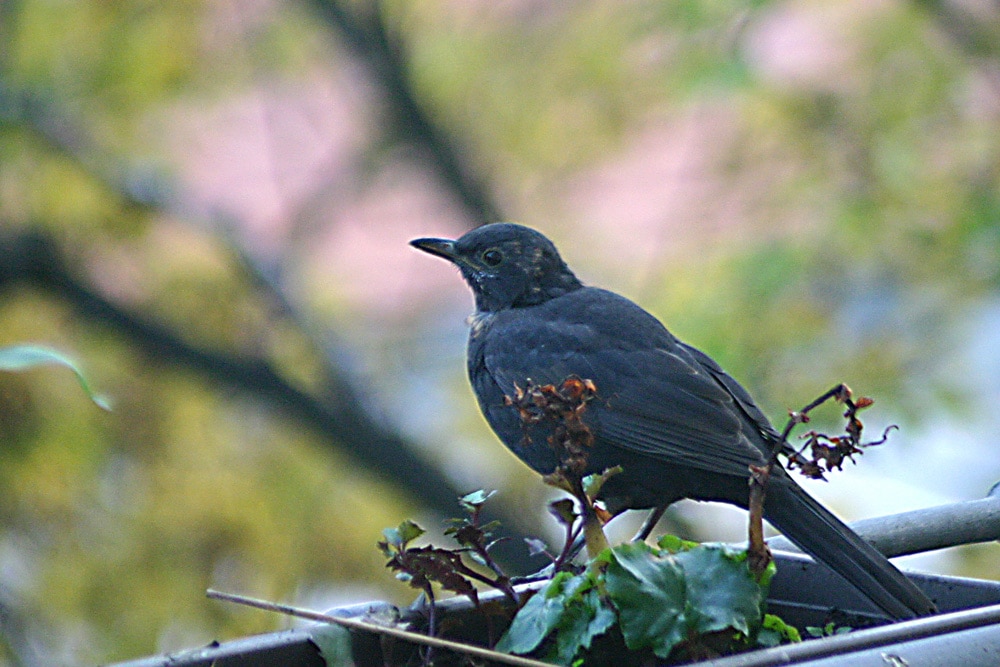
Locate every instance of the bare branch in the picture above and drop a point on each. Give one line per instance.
(33, 258)
(362, 27)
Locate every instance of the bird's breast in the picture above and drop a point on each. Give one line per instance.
(479, 322)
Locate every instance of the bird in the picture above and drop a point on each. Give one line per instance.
(671, 417)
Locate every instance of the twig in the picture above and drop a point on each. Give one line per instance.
(365, 626)
(571, 546)
(841, 392)
(428, 652)
(758, 553)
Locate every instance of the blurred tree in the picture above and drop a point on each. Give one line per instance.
(209, 202)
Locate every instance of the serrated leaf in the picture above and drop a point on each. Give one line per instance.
(409, 531)
(392, 538)
(584, 620)
(674, 544)
(564, 511)
(775, 631)
(467, 535)
(23, 357)
(575, 585)
(557, 584)
(490, 526)
(721, 591)
(543, 612)
(592, 484)
(648, 591)
(769, 638)
(532, 624)
(473, 500)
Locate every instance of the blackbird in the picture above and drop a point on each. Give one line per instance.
(667, 413)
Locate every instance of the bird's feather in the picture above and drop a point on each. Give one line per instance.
(677, 423)
(654, 397)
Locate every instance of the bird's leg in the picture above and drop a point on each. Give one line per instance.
(649, 524)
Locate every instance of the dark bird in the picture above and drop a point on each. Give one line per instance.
(666, 412)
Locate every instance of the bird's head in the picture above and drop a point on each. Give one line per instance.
(506, 265)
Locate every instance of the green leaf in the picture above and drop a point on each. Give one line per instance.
(649, 592)
(472, 501)
(557, 586)
(399, 537)
(392, 538)
(23, 357)
(334, 644)
(409, 531)
(765, 577)
(584, 620)
(775, 631)
(532, 624)
(564, 511)
(592, 484)
(828, 630)
(663, 598)
(543, 612)
(674, 544)
(721, 591)
(489, 527)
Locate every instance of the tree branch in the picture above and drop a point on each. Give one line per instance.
(32, 258)
(362, 27)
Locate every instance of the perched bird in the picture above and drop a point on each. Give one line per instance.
(667, 413)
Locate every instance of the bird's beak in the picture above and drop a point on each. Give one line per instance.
(440, 247)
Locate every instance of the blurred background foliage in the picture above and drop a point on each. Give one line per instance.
(208, 203)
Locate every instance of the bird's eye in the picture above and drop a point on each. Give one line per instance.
(492, 257)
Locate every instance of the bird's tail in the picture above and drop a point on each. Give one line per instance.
(828, 539)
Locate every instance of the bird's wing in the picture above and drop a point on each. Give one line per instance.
(654, 396)
(740, 395)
